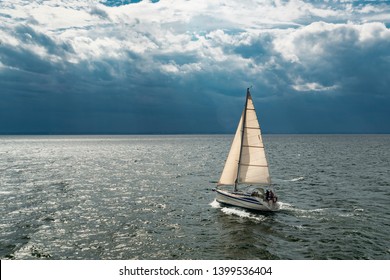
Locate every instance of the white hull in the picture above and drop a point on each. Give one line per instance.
(247, 201)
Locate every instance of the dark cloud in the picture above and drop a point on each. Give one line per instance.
(114, 76)
(99, 12)
(353, 59)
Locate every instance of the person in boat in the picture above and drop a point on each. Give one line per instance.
(270, 196)
(273, 197)
(267, 195)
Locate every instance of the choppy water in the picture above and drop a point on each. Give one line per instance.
(149, 197)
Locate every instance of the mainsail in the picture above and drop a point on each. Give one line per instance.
(246, 162)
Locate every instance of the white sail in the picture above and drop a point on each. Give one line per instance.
(229, 173)
(246, 162)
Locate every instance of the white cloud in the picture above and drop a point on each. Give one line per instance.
(319, 40)
(370, 33)
(190, 37)
(313, 87)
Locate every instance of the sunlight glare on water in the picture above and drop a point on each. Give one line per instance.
(150, 197)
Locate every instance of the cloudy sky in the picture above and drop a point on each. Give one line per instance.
(173, 66)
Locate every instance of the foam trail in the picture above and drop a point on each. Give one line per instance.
(286, 206)
(236, 212)
(242, 214)
(297, 179)
(290, 207)
(215, 204)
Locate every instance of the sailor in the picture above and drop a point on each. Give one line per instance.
(267, 195)
(271, 195)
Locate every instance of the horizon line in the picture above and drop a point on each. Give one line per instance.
(190, 133)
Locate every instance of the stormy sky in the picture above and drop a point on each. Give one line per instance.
(169, 66)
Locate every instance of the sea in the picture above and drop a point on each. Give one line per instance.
(150, 197)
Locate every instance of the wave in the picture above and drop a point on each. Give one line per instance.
(296, 179)
(6, 192)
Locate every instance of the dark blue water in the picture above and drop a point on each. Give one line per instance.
(149, 197)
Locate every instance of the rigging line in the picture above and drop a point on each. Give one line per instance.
(255, 165)
(252, 146)
(248, 95)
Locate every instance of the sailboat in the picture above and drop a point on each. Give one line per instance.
(245, 181)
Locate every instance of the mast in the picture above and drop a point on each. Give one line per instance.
(242, 137)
